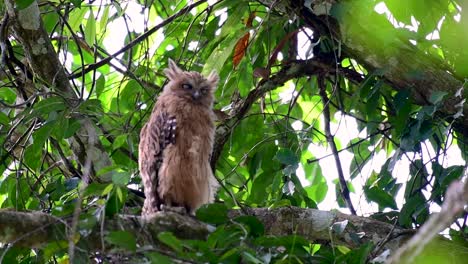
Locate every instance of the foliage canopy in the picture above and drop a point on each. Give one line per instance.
(358, 102)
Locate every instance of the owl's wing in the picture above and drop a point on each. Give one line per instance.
(156, 135)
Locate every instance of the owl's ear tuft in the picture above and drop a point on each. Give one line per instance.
(213, 79)
(173, 71)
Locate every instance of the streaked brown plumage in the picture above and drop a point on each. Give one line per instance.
(177, 141)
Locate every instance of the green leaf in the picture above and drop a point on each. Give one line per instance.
(100, 85)
(6, 184)
(91, 107)
(255, 163)
(155, 257)
(381, 197)
(280, 203)
(49, 105)
(361, 155)
(119, 141)
(290, 169)
(256, 227)
(437, 97)
(121, 178)
(104, 19)
(54, 248)
(402, 105)
(357, 256)
(245, 78)
(289, 241)
(87, 222)
(4, 119)
(73, 126)
(234, 20)
(98, 189)
(22, 4)
(76, 17)
(231, 256)
(90, 29)
(317, 191)
(76, 3)
(170, 240)
(72, 183)
(60, 126)
(116, 201)
(411, 209)
(50, 19)
(122, 239)
(287, 157)
(260, 187)
(213, 213)
(450, 174)
(129, 93)
(34, 151)
(249, 258)
(8, 95)
(221, 53)
(418, 174)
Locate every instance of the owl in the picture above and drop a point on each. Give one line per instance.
(177, 141)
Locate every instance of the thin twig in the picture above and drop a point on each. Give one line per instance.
(84, 183)
(351, 145)
(137, 40)
(331, 142)
(292, 70)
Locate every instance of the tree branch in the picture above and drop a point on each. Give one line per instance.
(331, 142)
(137, 40)
(29, 30)
(292, 70)
(35, 229)
(456, 198)
(383, 47)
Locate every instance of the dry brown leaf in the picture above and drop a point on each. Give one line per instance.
(239, 50)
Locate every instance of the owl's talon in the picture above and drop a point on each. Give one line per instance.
(174, 209)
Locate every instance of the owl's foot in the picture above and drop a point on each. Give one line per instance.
(147, 217)
(175, 209)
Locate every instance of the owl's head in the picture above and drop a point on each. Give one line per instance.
(192, 86)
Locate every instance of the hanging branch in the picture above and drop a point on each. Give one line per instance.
(331, 142)
(456, 199)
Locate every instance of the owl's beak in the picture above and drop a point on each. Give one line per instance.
(196, 95)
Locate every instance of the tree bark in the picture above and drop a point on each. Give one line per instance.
(45, 65)
(35, 229)
(373, 42)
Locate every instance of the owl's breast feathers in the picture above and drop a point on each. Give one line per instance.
(176, 143)
(185, 175)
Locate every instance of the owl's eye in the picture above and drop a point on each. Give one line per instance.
(187, 86)
(204, 90)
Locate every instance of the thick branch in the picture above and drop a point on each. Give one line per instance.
(36, 229)
(42, 58)
(374, 42)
